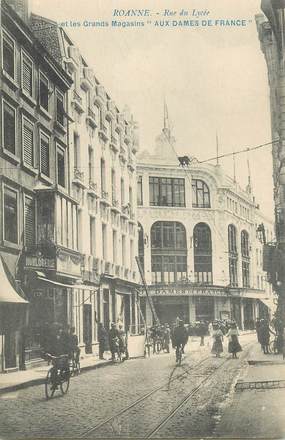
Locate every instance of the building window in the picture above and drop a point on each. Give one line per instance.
(28, 142)
(30, 225)
(233, 256)
(44, 155)
(92, 235)
(76, 148)
(166, 191)
(200, 194)
(60, 167)
(10, 215)
(139, 191)
(9, 128)
(104, 242)
(103, 177)
(122, 192)
(90, 165)
(44, 92)
(27, 74)
(8, 56)
(131, 197)
(113, 184)
(245, 259)
(114, 246)
(60, 108)
(141, 245)
(202, 254)
(168, 252)
(124, 250)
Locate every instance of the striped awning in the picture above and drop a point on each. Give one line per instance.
(8, 293)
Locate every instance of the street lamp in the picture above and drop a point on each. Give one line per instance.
(261, 233)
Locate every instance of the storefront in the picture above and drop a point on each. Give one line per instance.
(13, 315)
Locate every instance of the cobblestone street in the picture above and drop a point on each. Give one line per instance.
(94, 406)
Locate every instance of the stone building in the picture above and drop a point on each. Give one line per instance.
(102, 165)
(198, 240)
(34, 180)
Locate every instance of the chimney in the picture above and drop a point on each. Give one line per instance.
(21, 7)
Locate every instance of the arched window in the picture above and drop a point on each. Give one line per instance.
(200, 194)
(245, 258)
(141, 245)
(233, 256)
(168, 252)
(203, 254)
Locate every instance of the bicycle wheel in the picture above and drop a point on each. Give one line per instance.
(49, 384)
(180, 357)
(64, 381)
(78, 367)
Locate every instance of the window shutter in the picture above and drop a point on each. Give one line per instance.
(29, 222)
(27, 76)
(45, 157)
(28, 144)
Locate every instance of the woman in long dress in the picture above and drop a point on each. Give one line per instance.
(234, 346)
(217, 336)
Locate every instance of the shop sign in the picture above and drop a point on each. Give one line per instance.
(187, 291)
(40, 262)
(68, 264)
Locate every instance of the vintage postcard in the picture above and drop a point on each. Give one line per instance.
(142, 219)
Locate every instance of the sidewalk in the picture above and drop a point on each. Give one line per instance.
(257, 403)
(36, 376)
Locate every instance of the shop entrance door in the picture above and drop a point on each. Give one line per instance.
(10, 349)
(87, 327)
(205, 310)
(106, 312)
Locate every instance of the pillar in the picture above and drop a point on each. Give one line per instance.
(192, 309)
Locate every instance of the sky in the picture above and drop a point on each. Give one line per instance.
(213, 78)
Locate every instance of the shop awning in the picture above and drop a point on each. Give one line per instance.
(70, 286)
(8, 294)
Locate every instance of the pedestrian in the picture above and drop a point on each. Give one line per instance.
(166, 338)
(74, 350)
(103, 340)
(257, 328)
(234, 346)
(217, 336)
(123, 341)
(114, 338)
(201, 332)
(265, 335)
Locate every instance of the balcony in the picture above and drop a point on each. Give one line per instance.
(125, 212)
(105, 197)
(87, 78)
(103, 132)
(78, 177)
(91, 118)
(131, 164)
(100, 90)
(111, 107)
(55, 258)
(114, 145)
(73, 60)
(92, 189)
(122, 156)
(77, 102)
(115, 205)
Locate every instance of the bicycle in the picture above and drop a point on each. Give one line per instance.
(58, 375)
(178, 353)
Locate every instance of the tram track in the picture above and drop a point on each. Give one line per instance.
(144, 397)
(194, 372)
(192, 393)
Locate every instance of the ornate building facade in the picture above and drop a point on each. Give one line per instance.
(198, 241)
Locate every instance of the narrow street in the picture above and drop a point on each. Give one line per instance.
(139, 398)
